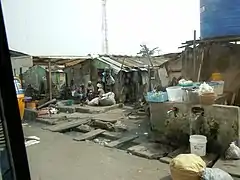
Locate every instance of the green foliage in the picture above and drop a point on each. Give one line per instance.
(145, 51)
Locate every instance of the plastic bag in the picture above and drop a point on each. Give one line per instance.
(107, 99)
(187, 167)
(205, 88)
(233, 152)
(94, 102)
(215, 174)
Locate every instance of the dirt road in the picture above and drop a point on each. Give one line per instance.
(58, 157)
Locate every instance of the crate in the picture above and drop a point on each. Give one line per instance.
(207, 98)
(156, 97)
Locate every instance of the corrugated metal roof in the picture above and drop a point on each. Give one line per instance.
(73, 63)
(17, 53)
(61, 60)
(135, 61)
(113, 64)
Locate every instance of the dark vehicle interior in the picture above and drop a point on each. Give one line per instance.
(13, 157)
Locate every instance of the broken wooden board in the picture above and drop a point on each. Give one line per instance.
(106, 134)
(84, 128)
(47, 121)
(111, 135)
(66, 125)
(149, 150)
(230, 166)
(107, 118)
(210, 159)
(165, 160)
(103, 125)
(90, 135)
(121, 141)
(181, 150)
(173, 154)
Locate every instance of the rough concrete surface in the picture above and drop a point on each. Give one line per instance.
(58, 157)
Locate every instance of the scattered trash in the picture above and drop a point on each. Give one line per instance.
(96, 140)
(53, 110)
(145, 133)
(47, 111)
(119, 126)
(24, 124)
(103, 142)
(133, 117)
(215, 174)
(233, 152)
(31, 140)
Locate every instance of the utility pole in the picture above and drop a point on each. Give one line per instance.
(104, 27)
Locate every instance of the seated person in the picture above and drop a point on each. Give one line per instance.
(80, 93)
(90, 90)
(100, 91)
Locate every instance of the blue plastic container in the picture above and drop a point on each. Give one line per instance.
(219, 18)
(159, 97)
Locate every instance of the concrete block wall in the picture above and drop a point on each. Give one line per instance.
(227, 118)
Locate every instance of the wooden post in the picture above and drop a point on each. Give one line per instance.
(149, 79)
(200, 66)
(149, 70)
(50, 79)
(194, 53)
(21, 76)
(121, 92)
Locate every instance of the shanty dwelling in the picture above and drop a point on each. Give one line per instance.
(132, 76)
(56, 61)
(215, 57)
(171, 69)
(20, 62)
(78, 72)
(131, 73)
(38, 74)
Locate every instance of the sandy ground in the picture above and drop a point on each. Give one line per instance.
(58, 157)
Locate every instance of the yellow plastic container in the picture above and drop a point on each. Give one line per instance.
(31, 105)
(20, 96)
(21, 104)
(216, 77)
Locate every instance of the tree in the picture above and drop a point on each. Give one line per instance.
(145, 51)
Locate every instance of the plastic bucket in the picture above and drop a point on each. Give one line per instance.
(198, 144)
(175, 93)
(216, 77)
(219, 87)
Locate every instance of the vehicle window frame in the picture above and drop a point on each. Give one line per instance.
(9, 112)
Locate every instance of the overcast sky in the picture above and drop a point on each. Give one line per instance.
(73, 27)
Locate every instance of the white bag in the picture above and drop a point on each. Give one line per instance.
(107, 99)
(233, 152)
(215, 174)
(94, 102)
